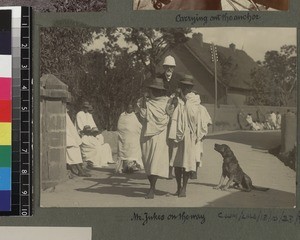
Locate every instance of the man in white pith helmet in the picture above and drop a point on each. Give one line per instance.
(169, 77)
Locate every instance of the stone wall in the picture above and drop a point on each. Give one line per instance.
(53, 96)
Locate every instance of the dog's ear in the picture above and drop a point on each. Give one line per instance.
(227, 151)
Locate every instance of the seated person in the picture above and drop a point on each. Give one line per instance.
(129, 147)
(73, 155)
(91, 148)
(106, 149)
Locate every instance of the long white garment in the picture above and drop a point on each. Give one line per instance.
(92, 151)
(155, 150)
(278, 121)
(129, 135)
(84, 119)
(184, 153)
(105, 149)
(73, 142)
(273, 120)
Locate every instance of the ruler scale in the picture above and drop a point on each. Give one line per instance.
(21, 113)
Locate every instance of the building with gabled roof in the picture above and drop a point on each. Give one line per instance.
(234, 68)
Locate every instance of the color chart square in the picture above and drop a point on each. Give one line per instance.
(5, 111)
(5, 179)
(5, 201)
(6, 88)
(5, 156)
(6, 66)
(5, 39)
(5, 134)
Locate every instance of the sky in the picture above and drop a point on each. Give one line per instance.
(254, 41)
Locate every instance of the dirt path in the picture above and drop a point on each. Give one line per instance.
(105, 189)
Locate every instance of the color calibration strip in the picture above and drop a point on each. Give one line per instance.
(5, 109)
(21, 127)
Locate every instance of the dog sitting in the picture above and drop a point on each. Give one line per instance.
(233, 171)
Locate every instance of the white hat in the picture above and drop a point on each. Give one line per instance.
(169, 61)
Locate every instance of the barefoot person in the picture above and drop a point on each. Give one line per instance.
(188, 134)
(171, 81)
(73, 154)
(155, 152)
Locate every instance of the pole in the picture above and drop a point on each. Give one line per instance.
(215, 60)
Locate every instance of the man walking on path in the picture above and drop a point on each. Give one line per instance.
(169, 76)
(155, 152)
(171, 84)
(188, 133)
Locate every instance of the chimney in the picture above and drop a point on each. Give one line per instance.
(199, 38)
(232, 47)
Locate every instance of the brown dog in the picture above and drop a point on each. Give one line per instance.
(233, 171)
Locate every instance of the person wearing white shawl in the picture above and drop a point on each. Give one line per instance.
(155, 152)
(73, 154)
(187, 134)
(84, 118)
(129, 135)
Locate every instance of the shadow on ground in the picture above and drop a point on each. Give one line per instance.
(255, 199)
(259, 140)
(123, 185)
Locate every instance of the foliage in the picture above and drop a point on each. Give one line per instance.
(275, 81)
(152, 44)
(228, 68)
(110, 76)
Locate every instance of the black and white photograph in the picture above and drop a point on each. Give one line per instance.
(168, 117)
(225, 5)
(45, 6)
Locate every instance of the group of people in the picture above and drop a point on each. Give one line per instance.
(85, 143)
(162, 133)
(169, 126)
(272, 122)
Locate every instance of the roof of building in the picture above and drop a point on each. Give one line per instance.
(239, 64)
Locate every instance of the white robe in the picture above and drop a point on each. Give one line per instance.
(73, 142)
(184, 153)
(129, 135)
(278, 121)
(92, 151)
(84, 119)
(155, 150)
(105, 149)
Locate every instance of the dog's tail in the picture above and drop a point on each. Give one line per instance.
(260, 188)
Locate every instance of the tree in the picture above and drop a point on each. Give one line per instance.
(151, 44)
(228, 68)
(274, 82)
(113, 74)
